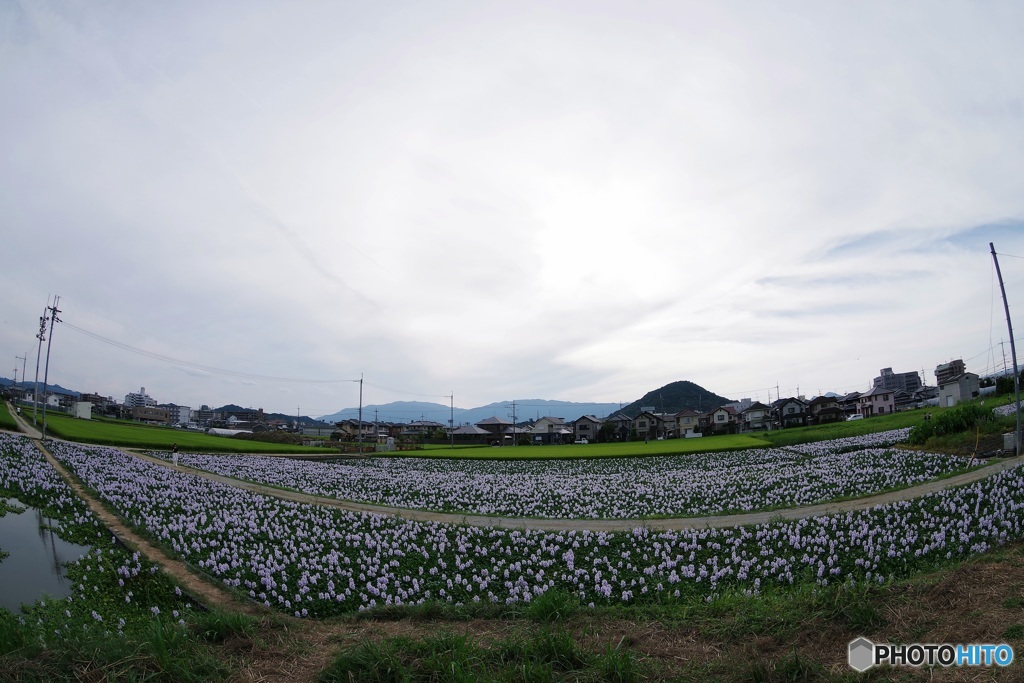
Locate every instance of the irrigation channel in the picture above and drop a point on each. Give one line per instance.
(35, 565)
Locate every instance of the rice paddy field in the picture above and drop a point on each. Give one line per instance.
(319, 593)
(139, 435)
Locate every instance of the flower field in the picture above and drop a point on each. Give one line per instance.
(615, 488)
(314, 561)
(115, 592)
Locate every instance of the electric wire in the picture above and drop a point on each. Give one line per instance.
(198, 366)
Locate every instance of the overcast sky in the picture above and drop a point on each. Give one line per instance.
(256, 202)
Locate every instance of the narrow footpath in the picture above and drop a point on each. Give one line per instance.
(608, 525)
(191, 580)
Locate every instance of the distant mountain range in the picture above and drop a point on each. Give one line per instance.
(53, 388)
(525, 409)
(670, 398)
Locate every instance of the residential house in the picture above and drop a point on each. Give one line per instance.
(754, 417)
(789, 412)
(877, 401)
(650, 425)
(354, 430)
(825, 409)
(960, 388)
(495, 425)
(669, 427)
(622, 425)
(549, 430)
(723, 420)
(420, 429)
(515, 434)
(469, 434)
(687, 422)
(850, 403)
(585, 427)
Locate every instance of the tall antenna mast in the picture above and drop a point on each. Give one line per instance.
(1013, 348)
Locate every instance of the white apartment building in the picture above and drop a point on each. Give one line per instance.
(139, 400)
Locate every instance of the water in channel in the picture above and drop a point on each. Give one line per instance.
(34, 567)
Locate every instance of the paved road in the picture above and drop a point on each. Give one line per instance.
(718, 521)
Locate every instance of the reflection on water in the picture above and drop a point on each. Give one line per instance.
(35, 566)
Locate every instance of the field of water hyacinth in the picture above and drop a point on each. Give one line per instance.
(616, 488)
(314, 561)
(116, 594)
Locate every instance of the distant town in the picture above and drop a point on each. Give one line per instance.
(890, 392)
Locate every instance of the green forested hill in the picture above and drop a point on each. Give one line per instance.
(673, 397)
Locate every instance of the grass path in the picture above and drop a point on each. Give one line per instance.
(801, 636)
(608, 525)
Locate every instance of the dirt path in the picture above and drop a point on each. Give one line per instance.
(191, 581)
(608, 525)
(931, 611)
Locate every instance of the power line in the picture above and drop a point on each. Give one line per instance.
(198, 366)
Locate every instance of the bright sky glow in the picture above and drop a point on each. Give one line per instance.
(564, 200)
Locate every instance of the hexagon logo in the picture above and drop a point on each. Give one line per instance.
(861, 654)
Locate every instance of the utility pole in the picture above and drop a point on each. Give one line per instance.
(451, 418)
(22, 359)
(46, 373)
(1013, 348)
(40, 335)
(360, 413)
(515, 441)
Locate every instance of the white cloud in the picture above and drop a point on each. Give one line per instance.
(579, 201)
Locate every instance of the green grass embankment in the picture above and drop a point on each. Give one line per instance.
(6, 420)
(137, 435)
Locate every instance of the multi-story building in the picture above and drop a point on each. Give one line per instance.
(179, 415)
(205, 415)
(908, 382)
(150, 414)
(249, 416)
(97, 400)
(139, 400)
(947, 371)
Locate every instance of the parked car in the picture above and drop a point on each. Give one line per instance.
(583, 440)
(858, 416)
